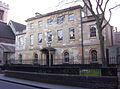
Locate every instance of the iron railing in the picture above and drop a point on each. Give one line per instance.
(110, 61)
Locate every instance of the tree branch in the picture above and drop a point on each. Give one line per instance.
(89, 6)
(103, 13)
(97, 1)
(110, 16)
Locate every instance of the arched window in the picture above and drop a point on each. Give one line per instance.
(66, 57)
(94, 55)
(35, 58)
(20, 58)
(92, 31)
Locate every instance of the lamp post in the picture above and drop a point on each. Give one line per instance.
(49, 51)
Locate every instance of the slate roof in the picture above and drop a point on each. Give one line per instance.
(6, 31)
(53, 13)
(18, 26)
(7, 48)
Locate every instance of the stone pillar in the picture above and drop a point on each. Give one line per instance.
(49, 58)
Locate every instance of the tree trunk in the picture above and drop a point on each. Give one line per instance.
(102, 48)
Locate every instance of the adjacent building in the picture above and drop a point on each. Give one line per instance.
(7, 37)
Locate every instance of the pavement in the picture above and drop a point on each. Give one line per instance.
(36, 84)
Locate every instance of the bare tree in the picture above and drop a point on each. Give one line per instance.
(99, 16)
(101, 22)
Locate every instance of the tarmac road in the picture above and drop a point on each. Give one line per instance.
(8, 85)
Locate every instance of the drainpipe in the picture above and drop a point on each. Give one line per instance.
(82, 45)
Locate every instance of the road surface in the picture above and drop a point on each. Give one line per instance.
(8, 85)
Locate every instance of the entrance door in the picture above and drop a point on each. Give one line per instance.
(51, 59)
(47, 59)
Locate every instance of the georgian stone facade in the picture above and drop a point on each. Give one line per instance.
(55, 38)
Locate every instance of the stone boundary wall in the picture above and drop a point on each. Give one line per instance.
(94, 82)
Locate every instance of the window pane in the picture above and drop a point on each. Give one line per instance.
(60, 35)
(39, 37)
(49, 36)
(40, 23)
(32, 25)
(71, 17)
(60, 19)
(49, 21)
(20, 59)
(35, 58)
(92, 31)
(66, 57)
(21, 41)
(31, 39)
(94, 55)
(72, 33)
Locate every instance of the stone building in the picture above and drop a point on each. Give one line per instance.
(116, 37)
(7, 37)
(58, 37)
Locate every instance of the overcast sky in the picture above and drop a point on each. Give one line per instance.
(20, 10)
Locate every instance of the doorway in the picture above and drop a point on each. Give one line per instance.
(47, 59)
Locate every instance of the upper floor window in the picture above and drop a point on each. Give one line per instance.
(39, 37)
(49, 36)
(72, 33)
(60, 19)
(40, 23)
(21, 41)
(71, 17)
(83, 14)
(60, 35)
(92, 30)
(32, 25)
(49, 21)
(31, 39)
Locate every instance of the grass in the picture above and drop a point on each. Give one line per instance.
(90, 72)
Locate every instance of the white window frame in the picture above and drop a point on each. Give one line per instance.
(39, 37)
(95, 33)
(61, 32)
(60, 19)
(32, 25)
(70, 33)
(31, 39)
(21, 41)
(71, 17)
(50, 21)
(48, 33)
(40, 23)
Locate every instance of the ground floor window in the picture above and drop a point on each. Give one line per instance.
(35, 58)
(20, 58)
(94, 55)
(66, 57)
